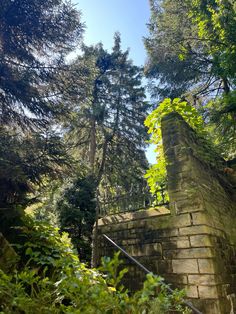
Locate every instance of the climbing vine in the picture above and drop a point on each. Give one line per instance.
(156, 174)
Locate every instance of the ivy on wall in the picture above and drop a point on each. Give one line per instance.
(156, 174)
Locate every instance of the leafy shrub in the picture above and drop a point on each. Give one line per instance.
(53, 280)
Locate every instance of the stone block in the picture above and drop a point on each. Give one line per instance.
(185, 266)
(188, 206)
(209, 292)
(164, 266)
(129, 241)
(135, 250)
(191, 292)
(176, 279)
(181, 220)
(133, 225)
(206, 266)
(190, 253)
(226, 289)
(182, 243)
(152, 249)
(155, 234)
(175, 183)
(176, 243)
(183, 151)
(136, 219)
(167, 245)
(211, 306)
(203, 280)
(106, 229)
(232, 303)
(201, 218)
(202, 229)
(160, 223)
(201, 240)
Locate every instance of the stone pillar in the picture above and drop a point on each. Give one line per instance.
(193, 246)
(198, 189)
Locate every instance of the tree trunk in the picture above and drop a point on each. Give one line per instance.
(226, 86)
(103, 161)
(92, 148)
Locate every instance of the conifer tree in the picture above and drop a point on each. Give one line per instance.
(191, 47)
(35, 36)
(107, 126)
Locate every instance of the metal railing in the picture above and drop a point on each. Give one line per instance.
(133, 201)
(188, 304)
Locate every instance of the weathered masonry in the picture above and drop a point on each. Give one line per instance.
(192, 245)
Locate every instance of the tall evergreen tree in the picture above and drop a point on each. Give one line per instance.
(108, 125)
(106, 131)
(191, 47)
(34, 38)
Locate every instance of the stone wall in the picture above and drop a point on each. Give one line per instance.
(192, 245)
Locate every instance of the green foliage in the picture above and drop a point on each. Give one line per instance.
(35, 36)
(221, 115)
(216, 24)
(51, 279)
(153, 298)
(191, 47)
(156, 178)
(192, 52)
(111, 268)
(164, 302)
(108, 109)
(43, 246)
(156, 175)
(169, 71)
(25, 159)
(188, 112)
(76, 208)
(205, 151)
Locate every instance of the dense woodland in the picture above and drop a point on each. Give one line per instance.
(74, 131)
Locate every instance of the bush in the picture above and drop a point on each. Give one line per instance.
(51, 279)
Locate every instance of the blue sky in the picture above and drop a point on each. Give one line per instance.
(104, 17)
(129, 17)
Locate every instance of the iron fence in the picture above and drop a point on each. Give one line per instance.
(133, 201)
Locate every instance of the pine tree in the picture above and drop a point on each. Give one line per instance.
(107, 126)
(35, 35)
(191, 47)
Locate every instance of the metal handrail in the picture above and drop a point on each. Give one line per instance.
(188, 304)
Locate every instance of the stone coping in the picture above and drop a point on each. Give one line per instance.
(130, 216)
